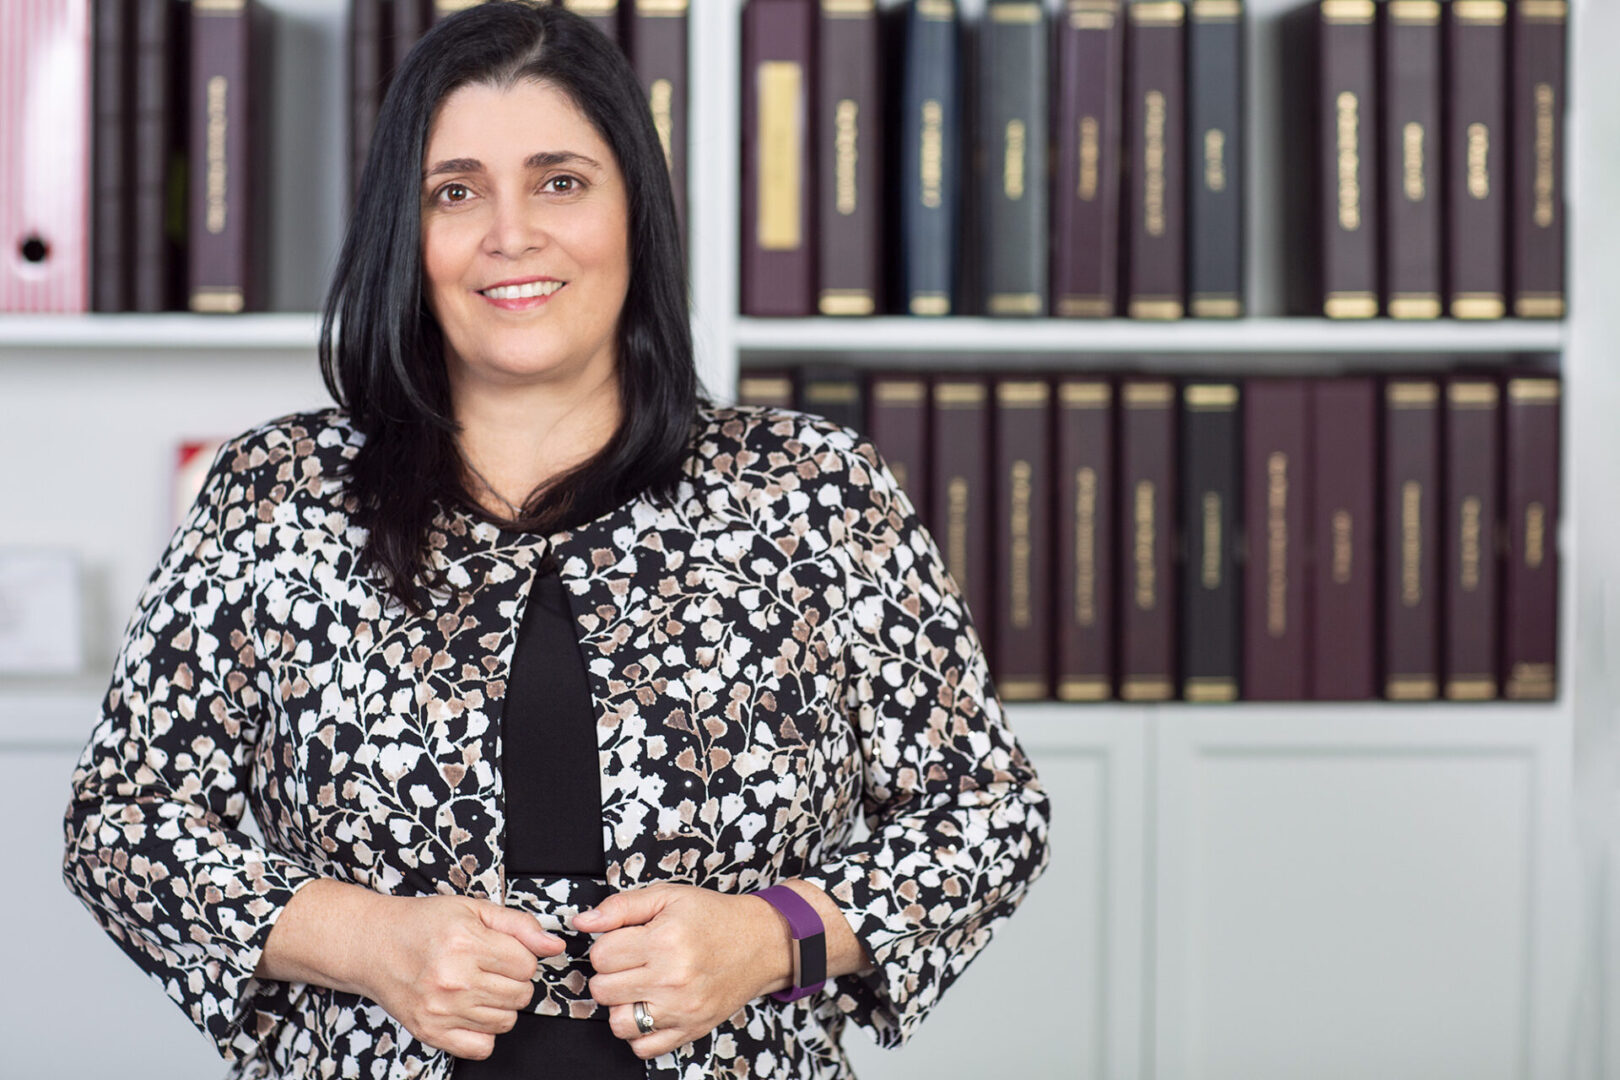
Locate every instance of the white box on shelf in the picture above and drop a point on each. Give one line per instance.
(41, 612)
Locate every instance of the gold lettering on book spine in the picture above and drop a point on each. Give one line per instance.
(781, 98)
(1277, 544)
(1215, 159)
(1412, 162)
(847, 156)
(1153, 184)
(1411, 544)
(661, 102)
(1012, 173)
(1535, 535)
(1468, 537)
(1146, 590)
(1090, 155)
(1085, 547)
(1545, 164)
(931, 154)
(1479, 151)
(956, 510)
(1211, 562)
(1022, 492)
(1343, 548)
(218, 177)
(1349, 129)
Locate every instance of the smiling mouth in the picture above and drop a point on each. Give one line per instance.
(527, 291)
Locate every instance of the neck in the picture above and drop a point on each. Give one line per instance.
(521, 437)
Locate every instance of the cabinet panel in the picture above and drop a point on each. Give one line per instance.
(68, 980)
(1061, 979)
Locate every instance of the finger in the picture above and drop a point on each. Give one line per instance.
(521, 925)
(622, 1022)
(503, 956)
(620, 988)
(487, 1019)
(622, 949)
(659, 1042)
(631, 908)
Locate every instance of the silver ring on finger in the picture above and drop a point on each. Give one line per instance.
(644, 1020)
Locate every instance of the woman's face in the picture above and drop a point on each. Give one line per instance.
(525, 236)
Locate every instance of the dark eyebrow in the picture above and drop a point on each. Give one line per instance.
(544, 159)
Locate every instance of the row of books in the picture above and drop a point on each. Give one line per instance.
(1436, 141)
(135, 135)
(1148, 538)
(1091, 163)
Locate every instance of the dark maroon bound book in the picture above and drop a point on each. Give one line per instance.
(1147, 533)
(1476, 159)
(1410, 142)
(767, 386)
(158, 155)
(1530, 500)
(1023, 551)
(1084, 559)
(1537, 115)
(1276, 514)
(1155, 161)
(656, 38)
(960, 496)
(849, 152)
(602, 14)
(897, 419)
(1086, 138)
(229, 194)
(1472, 477)
(778, 253)
(1411, 569)
(112, 36)
(1344, 539)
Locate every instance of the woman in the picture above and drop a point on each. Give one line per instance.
(534, 669)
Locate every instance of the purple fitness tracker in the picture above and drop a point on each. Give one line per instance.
(809, 941)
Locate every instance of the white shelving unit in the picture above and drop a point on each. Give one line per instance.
(1249, 891)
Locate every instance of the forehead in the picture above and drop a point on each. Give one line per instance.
(505, 125)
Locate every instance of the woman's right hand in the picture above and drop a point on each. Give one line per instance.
(455, 970)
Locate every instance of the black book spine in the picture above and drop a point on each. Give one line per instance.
(930, 158)
(158, 212)
(1012, 189)
(833, 391)
(1216, 174)
(1155, 170)
(1211, 511)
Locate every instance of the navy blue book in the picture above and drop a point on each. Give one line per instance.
(1215, 181)
(930, 156)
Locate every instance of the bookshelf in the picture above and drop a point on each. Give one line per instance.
(1239, 890)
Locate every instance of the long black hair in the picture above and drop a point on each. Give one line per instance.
(382, 351)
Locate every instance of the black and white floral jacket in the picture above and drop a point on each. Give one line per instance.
(774, 657)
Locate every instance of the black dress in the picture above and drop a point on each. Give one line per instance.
(554, 828)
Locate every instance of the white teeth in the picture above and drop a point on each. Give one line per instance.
(523, 292)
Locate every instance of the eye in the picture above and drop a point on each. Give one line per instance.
(442, 194)
(570, 184)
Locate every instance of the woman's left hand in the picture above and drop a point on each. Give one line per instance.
(695, 956)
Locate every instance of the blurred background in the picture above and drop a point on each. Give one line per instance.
(1239, 888)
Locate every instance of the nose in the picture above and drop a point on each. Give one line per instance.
(516, 228)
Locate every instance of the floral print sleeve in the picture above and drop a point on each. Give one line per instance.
(957, 817)
(153, 844)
